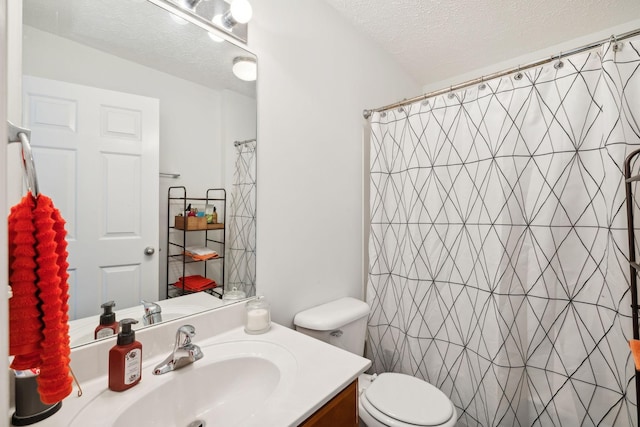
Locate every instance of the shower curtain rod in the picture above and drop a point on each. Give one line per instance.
(613, 38)
(246, 141)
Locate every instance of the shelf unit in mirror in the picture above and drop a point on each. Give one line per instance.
(195, 242)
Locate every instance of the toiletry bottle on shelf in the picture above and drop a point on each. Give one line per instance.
(214, 216)
(125, 359)
(208, 212)
(108, 325)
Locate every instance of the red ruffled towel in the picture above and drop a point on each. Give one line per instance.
(38, 310)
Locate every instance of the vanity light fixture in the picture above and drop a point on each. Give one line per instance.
(231, 17)
(245, 68)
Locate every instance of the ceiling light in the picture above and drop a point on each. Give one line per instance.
(245, 68)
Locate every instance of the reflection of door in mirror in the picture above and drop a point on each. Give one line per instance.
(105, 143)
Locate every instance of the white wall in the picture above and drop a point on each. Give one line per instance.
(239, 118)
(315, 76)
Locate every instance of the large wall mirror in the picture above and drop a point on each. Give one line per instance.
(126, 99)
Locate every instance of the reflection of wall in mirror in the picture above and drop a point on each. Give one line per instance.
(195, 121)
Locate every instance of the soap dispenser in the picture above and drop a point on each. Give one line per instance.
(125, 359)
(108, 325)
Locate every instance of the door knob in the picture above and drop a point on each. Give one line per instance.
(149, 250)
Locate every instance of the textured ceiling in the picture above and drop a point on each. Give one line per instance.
(434, 40)
(144, 33)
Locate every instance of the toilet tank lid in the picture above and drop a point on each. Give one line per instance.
(332, 315)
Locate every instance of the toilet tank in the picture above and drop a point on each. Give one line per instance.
(342, 323)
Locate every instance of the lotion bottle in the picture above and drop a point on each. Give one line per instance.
(108, 325)
(125, 359)
(214, 216)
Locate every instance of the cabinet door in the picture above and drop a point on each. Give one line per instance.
(341, 411)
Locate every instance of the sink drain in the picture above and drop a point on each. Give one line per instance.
(196, 423)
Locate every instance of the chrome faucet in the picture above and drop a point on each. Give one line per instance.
(184, 352)
(152, 313)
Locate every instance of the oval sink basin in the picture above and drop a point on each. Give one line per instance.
(227, 387)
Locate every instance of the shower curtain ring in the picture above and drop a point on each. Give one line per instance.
(559, 64)
(616, 46)
(482, 86)
(518, 75)
(450, 95)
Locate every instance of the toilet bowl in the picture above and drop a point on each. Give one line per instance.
(399, 400)
(385, 400)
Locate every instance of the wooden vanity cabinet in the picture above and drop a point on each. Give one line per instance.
(341, 411)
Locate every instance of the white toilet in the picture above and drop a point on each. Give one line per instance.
(386, 400)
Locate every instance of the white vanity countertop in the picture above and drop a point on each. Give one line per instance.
(322, 372)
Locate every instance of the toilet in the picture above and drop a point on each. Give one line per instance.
(388, 399)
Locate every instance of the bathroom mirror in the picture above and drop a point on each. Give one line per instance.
(202, 116)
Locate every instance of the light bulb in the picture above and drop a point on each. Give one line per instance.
(241, 11)
(217, 21)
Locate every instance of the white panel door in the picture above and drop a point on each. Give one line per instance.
(96, 154)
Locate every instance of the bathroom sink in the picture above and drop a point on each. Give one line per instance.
(229, 386)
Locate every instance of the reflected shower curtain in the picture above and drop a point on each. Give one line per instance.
(498, 268)
(242, 228)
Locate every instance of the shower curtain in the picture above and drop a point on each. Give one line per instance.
(498, 268)
(242, 229)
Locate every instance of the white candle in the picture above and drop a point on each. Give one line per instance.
(257, 319)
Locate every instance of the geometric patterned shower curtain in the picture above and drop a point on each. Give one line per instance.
(242, 229)
(498, 247)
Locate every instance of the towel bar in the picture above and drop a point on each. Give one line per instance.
(22, 135)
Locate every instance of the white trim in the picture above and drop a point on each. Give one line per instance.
(4, 282)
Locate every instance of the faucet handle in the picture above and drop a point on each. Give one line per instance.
(151, 307)
(188, 331)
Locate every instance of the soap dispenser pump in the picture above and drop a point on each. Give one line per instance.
(125, 359)
(108, 325)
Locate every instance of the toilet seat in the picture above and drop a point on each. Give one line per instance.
(400, 400)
